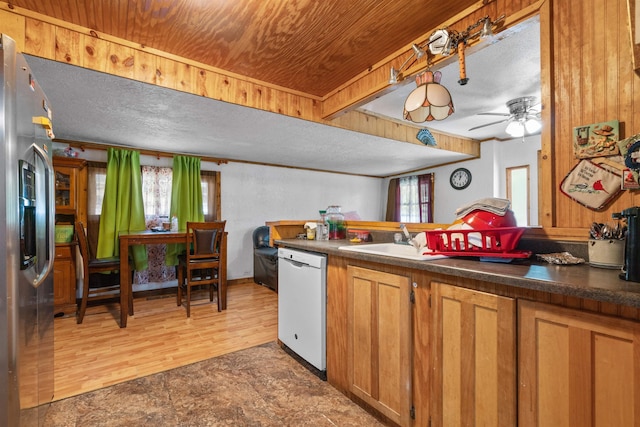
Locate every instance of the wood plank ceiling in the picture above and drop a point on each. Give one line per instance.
(309, 46)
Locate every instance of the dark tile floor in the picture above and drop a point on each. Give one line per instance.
(260, 386)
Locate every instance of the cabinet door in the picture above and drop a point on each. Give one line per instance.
(61, 278)
(64, 280)
(379, 341)
(577, 368)
(474, 364)
(65, 189)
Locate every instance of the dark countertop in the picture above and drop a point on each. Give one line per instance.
(583, 281)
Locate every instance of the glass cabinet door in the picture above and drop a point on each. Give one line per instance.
(65, 188)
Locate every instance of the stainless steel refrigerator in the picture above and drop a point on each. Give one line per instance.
(26, 244)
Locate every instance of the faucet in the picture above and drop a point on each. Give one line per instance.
(418, 242)
(406, 234)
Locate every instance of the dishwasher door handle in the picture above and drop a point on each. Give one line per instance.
(296, 263)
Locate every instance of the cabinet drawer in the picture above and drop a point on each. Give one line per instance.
(64, 251)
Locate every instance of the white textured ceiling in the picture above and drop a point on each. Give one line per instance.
(89, 106)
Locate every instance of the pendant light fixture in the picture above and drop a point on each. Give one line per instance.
(430, 100)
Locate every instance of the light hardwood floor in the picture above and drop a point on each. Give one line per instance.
(98, 353)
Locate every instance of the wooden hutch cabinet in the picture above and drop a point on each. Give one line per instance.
(71, 205)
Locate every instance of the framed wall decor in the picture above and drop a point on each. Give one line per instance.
(629, 180)
(596, 140)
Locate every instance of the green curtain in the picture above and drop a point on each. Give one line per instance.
(122, 206)
(186, 199)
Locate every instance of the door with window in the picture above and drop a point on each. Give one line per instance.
(518, 193)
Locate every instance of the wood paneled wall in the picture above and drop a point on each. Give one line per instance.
(593, 81)
(47, 38)
(373, 125)
(587, 77)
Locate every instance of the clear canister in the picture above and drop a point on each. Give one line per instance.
(322, 230)
(335, 220)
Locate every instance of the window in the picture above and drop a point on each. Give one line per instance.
(210, 195)
(97, 176)
(156, 191)
(156, 196)
(411, 199)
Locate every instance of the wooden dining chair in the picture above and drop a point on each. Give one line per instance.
(96, 284)
(199, 265)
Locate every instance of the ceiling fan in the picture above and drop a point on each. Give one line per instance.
(522, 118)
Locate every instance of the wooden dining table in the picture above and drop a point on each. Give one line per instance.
(148, 237)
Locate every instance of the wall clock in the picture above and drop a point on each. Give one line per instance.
(460, 178)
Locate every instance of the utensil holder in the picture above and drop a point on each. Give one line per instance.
(605, 253)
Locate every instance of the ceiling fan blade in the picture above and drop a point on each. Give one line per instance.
(489, 124)
(494, 114)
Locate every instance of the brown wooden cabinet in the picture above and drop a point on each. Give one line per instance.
(473, 358)
(477, 352)
(379, 341)
(65, 189)
(64, 274)
(71, 187)
(71, 205)
(577, 368)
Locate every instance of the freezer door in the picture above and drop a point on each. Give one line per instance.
(26, 295)
(36, 284)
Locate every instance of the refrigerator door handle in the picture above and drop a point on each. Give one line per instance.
(50, 209)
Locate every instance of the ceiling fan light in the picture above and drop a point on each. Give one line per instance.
(515, 129)
(532, 126)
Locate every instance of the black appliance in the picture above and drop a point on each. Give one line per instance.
(27, 205)
(265, 259)
(631, 269)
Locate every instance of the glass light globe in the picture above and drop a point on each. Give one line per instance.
(515, 129)
(532, 126)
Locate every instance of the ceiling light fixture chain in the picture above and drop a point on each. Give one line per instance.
(444, 41)
(430, 100)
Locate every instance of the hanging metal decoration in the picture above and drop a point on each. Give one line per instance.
(430, 100)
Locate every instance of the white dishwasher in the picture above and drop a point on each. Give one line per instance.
(302, 302)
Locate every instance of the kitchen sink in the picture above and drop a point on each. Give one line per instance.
(392, 250)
